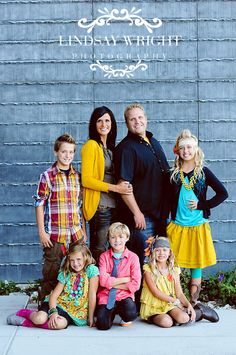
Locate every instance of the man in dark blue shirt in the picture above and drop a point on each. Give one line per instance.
(139, 159)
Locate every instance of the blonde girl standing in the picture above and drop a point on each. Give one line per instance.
(162, 300)
(189, 232)
(73, 300)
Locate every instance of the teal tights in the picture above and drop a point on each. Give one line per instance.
(196, 273)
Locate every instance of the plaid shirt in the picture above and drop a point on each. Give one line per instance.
(61, 197)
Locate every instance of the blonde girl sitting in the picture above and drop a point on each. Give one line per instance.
(162, 300)
(73, 300)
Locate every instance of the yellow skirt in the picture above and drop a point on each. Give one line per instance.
(192, 246)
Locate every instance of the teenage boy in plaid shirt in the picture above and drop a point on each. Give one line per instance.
(58, 210)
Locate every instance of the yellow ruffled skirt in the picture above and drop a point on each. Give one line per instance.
(192, 246)
(150, 305)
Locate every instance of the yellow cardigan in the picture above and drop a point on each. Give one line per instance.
(92, 175)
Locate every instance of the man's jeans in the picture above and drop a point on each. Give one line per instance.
(138, 240)
(138, 243)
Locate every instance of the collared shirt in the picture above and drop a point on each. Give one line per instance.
(128, 267)
(145, 166)
(60, 196)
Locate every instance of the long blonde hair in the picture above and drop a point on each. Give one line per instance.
(78, 247)
(178, 163)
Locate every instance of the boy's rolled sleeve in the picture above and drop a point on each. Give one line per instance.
(105, 279)
(135, 274)
(42, 194)
(38, 201)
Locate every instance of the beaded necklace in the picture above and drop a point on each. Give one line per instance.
(192, 180)
(75, 288)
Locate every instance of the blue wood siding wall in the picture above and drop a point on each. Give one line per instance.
(47, 89)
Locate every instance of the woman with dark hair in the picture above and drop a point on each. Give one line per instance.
(97, 176)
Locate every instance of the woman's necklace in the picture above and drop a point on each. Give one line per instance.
(192, 180)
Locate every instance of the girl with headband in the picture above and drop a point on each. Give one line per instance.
(162, 300)
(189, 231)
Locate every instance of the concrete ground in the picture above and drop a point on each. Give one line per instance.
(202, 338)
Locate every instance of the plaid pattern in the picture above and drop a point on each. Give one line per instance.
(61, 197)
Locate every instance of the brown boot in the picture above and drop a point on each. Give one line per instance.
(205, 312)
(194, 294)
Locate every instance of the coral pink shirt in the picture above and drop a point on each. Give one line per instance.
(128, 267)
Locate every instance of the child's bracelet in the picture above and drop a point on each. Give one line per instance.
(176, 302)
(52, 311)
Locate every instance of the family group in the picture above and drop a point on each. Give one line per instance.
(142, 215)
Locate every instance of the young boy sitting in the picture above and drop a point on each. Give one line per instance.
(120, 278)
(58, 210)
